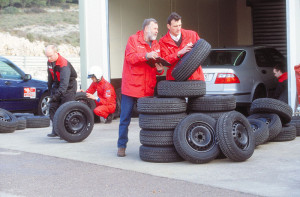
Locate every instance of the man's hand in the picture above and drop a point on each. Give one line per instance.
(54, 98)
(159, 67)
(186, 49)
(152, 55)
(91, 96)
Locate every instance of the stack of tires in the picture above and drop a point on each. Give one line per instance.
(271, 121)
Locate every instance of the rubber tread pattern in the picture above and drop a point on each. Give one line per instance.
(181, 89)
(7, 126)
(37, 121)
(191, 60)
(153, 105)
(156, 138)
(160, 122)
(261, 131)
(159, 154)
(211, 103)
(288, 133)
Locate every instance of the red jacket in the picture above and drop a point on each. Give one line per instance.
(138, 78)
(105, 92)
(169, 51)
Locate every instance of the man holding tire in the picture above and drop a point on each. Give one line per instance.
(138, 77)
(176, 43)
(62, 83)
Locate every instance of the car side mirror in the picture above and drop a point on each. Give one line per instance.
(27, 77)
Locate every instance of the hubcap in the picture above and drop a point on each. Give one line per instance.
(200, 136)
(5, 117)
(75, 122)
(240, 135)
(45, 106)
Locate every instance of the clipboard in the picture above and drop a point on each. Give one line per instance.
(161, 60)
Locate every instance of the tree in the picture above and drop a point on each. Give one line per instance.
(4, 3)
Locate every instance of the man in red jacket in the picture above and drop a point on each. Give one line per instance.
(282, 86)
(106, 95)
(176, 43)
(138, 77)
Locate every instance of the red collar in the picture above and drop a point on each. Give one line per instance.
(282, 77)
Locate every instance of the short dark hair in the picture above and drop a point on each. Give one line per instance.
(280, 67)
(147, 22)
(173, 16)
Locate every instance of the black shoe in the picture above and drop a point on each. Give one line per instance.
(108, 119)
(52, 135)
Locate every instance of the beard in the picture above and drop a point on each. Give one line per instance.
(151, 36)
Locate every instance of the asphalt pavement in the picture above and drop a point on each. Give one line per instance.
(32, 164)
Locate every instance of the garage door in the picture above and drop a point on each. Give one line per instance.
(269, 23)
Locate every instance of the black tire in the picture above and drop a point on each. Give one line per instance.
(261, 131)
(159, 154)
(43, 107)
(156, 138)
(212, 103)
(37, 121)
(288, 133)
(194, 138)
(216, 115)
(191, 61)
(296, 122)
(160, 122)
(117, 112)
(235, 136)
(181, 89)
(268, 105)
(153, 105)
(272, 120)
(8, 121)
(81, 97)
(21, 123)
(73, 121)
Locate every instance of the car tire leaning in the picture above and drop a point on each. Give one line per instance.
(8, 121)
(73, 121)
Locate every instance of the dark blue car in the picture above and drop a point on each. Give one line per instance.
(20, 93)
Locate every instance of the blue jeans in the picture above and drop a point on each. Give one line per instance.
(127, 103)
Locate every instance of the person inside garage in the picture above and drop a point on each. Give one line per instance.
(176, 43)
(106, 95)
(62, 83)
(281, 91)
(138, 77)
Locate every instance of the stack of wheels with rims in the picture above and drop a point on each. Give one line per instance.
(158, 119)
(277, 115)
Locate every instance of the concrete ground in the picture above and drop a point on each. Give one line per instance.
(273, 170)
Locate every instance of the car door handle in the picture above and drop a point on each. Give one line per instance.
(7, 82)
(264, 71)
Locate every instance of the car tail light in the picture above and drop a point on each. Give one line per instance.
(227, 78)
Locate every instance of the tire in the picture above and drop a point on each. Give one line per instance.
(21, 123)
(81, 97)
(194, 138)
(261, 131)
(235, 136)
(212, 103)
(272, 120)
(43, 107)
(8, 121)
(191, 61)
(73, 121)
(160, 122)
(160, 154)
(117, 112)
(37, 121)
(296, 122)
(153, 105)
(216, 115)
(268, 105)
(156, 138)
(288, 133)
(181, 89)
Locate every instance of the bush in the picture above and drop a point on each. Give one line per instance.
(34, 10)
(10, 10)
(65, 7)
(30, 37)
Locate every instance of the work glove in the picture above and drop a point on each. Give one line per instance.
(54, 98)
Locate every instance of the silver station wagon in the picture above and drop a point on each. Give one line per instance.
(245, 72)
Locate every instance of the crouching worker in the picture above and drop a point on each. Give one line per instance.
(106, 95)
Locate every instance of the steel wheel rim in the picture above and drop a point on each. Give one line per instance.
(5, 117)
(199, 136)
(240, 135)
(75, 122)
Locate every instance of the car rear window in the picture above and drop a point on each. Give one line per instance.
(225, 57)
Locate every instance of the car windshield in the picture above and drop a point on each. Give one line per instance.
(225, 57)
